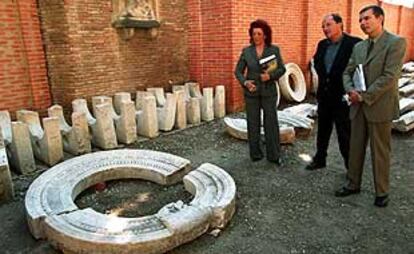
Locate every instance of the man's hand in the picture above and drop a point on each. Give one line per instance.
(354, 97)
(250, 86)
(265, 77)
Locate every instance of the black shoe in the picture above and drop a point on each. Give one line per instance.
(344, 191)
(315, 165)
(381, 201)
(256, 158)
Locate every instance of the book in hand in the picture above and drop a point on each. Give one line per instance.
(359, 79)
(268, 64)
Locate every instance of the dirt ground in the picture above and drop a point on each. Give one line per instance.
(282, 209)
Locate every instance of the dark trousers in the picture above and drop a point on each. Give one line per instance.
(271, 126)
(327, 118)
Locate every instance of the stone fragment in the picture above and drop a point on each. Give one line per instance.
(76, 138)
(158, 92)
(102, 128)
(6, 184)
(219, 102)
(166, 114)
(18, 145)
(47, 141)
(181, 114)
(147, 119)
(207, 105)
(193, 111)
(125, 125)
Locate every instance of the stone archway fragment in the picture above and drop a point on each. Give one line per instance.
(297, 90)
(6, 184)
(102, 127)
(52, 214)
(75, 138)
(17, 140)
(47, 141)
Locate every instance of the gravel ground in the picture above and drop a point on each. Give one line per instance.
(282, 209)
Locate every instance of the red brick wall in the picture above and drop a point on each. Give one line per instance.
(23, 79)
(87, 56)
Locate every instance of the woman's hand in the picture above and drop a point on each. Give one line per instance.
(250, 86)
(265, 77)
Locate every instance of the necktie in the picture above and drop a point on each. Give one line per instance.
(370, 47)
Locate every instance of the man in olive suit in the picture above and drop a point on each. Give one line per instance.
(373, 110)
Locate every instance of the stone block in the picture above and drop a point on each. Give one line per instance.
(193, 111)
(6, 184)
(207, 105)
(47, 141)
(166, 114)
(181, 114)
(18, 144)
(158, 92)
(102, 128)
(139, 99)
(147, 119)
(76, 138)
(219, 102)
(125, 125)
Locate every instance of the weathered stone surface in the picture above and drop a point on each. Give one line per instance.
(76, 138)
(102, 128)
(207, 105)
(18, 146)
(6, 185)
(57, 219)
(182, 88)
(181, 113)
(405, 122)
(139, 99)
(158, 92)
(47, 141)
(147, 119)
(238, 128)
(219, 102)
(166, 114)
(303, 110)
(193, 111)
(125, 125)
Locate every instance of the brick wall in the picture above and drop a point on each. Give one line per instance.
(87, 56)
(296, 29)
(23, 79)
(198, 40)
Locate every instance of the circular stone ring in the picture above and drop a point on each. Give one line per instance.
(53, 215)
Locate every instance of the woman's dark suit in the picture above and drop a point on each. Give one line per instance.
(263, 98)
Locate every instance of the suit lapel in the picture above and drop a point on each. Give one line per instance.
(378, 46)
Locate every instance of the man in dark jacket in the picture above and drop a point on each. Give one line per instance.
(330, 60)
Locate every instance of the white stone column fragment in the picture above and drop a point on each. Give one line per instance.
(125, 126)
(193, 111)
(146, 115)
(166, 114)
(76, 138)
(6, 184)
(102, 127)
(219, 102)
(158, 92)
(46, 141)
(207, 106)
(17, 140)
(181, 114)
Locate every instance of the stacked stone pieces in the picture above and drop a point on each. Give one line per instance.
(47, 141)
(125, 126)
(76, 138)
(146, 115)
(17, 141)
(6, 184)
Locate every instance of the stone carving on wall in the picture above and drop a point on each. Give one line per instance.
(131, 14)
